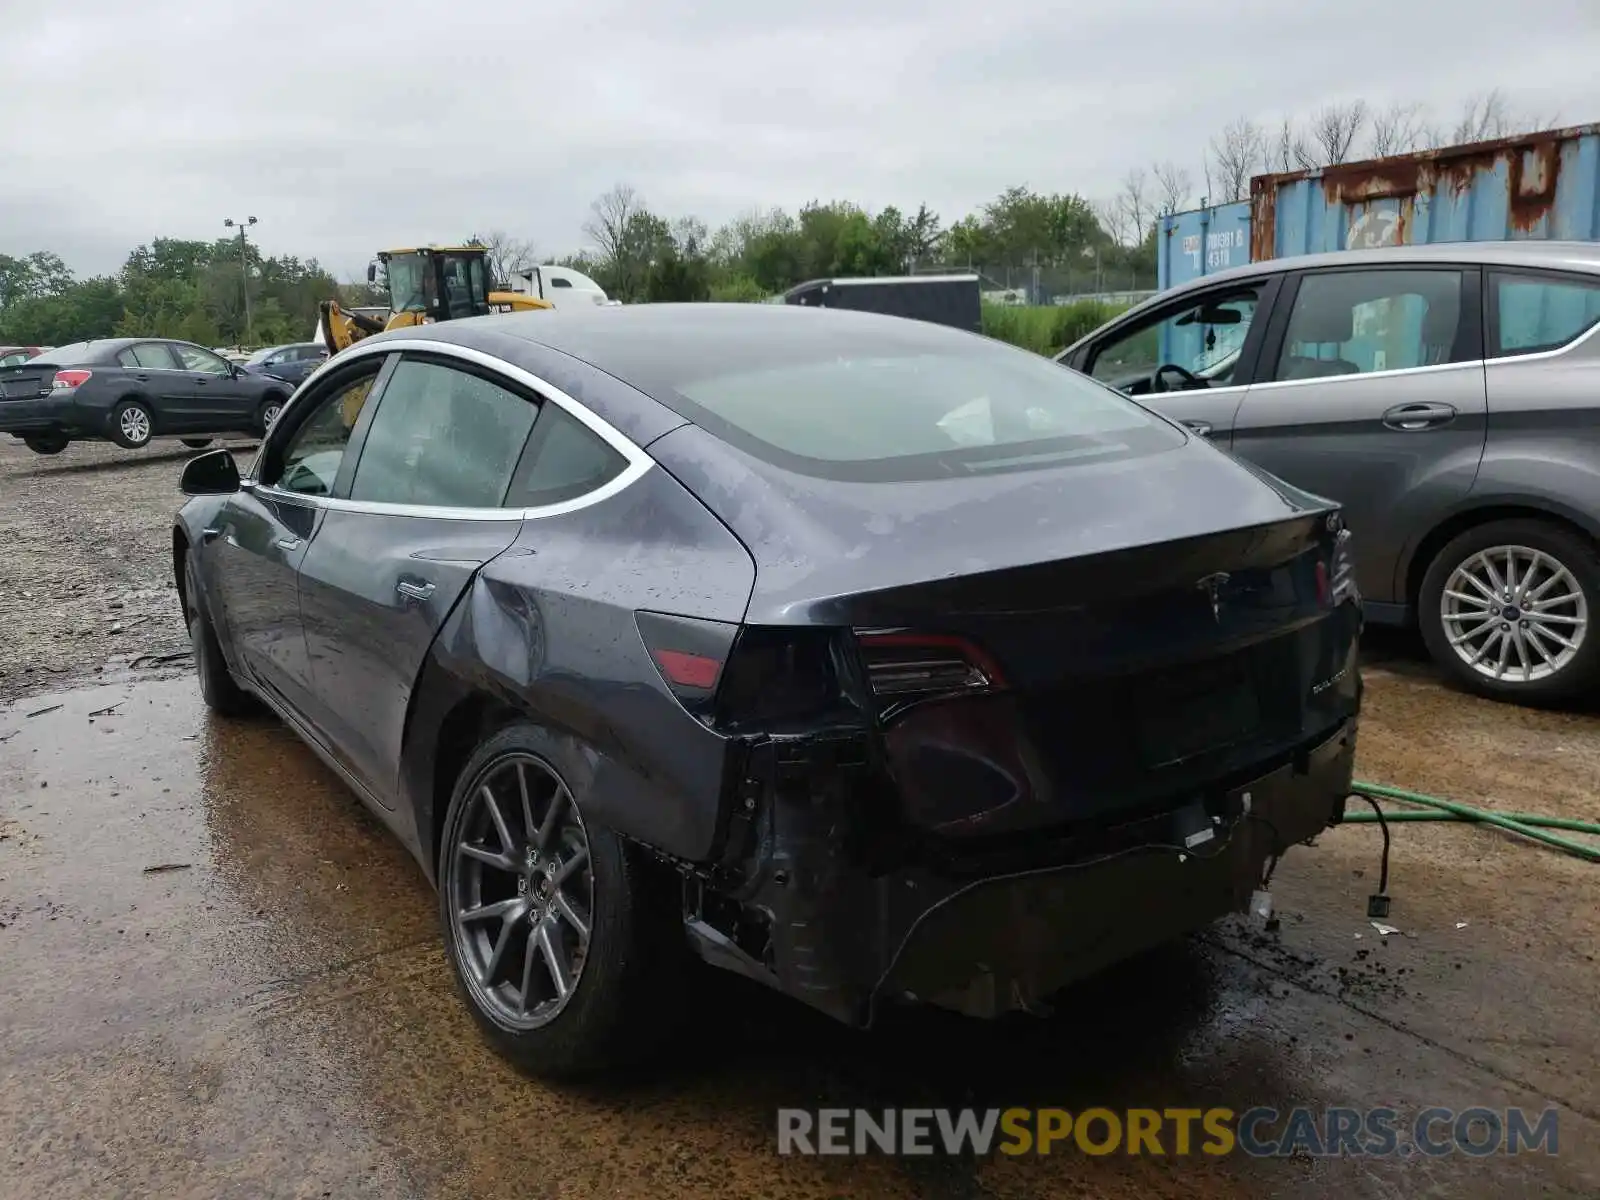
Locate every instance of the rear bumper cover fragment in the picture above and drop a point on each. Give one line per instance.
(845, 939)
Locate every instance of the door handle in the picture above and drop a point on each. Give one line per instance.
(288, 543)
(210, 535)
(1412, 418)
(142, 378)
(413, 590)
(1203, 428)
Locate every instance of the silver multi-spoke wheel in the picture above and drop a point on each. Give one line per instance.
(521, 892)
(1514, 613)
(269, 414)
(135, 424)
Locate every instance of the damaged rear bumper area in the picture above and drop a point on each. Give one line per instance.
(1001, 929)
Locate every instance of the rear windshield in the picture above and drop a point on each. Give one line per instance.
(64, 356)
(922, 413)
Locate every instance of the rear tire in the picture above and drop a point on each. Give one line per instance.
(45, 445)
(623, 956)
(196, 443)
(221, 694)
(131, 426)
(1467, 609)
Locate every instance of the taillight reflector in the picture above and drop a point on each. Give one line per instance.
(687, 670)
(70, 379)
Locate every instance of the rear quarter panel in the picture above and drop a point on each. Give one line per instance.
(548, 628)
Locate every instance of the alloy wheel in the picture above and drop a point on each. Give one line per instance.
(521, 892)
(135, 424)
(269, 414)
(1514, 614)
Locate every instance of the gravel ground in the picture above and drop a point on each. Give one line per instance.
(86, 574)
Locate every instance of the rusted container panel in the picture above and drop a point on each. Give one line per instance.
(1541, 185)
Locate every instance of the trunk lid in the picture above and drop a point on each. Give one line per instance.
(1156, 676)
(26, 381)
(1095, 640)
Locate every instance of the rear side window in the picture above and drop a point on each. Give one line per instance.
(1357, 322)
(151, 356)
(442, 437)
(920, 414)
(1541, 312)
(564, 460)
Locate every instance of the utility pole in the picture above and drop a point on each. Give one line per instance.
(244, 271)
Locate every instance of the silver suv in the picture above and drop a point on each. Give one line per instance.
(1447, 395)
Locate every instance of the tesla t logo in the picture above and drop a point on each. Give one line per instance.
(1211, 585)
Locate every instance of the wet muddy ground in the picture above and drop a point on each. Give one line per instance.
(219, 977)
(86, 560)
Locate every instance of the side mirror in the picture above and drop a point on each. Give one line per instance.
(213, 473)
(372, 272)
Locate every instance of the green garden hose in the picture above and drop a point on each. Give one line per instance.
(1525, 824)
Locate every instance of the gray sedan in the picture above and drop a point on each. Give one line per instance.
(818, 644)
(130, 390)
(1446, 395)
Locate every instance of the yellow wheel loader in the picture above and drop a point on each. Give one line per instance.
(426, 284)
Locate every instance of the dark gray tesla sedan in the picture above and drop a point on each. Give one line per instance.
(867, 658)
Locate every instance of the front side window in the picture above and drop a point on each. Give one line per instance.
(408, 277)
(443, 437)
(1543, 313)
(1357, 322)
(196, 359)
(311, 457)
(1197, 347)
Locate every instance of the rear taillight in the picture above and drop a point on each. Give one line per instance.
(689, 653)
(70, 379)
(779, 675)
(901, 664)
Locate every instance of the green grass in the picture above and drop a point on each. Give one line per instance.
(1045, 329)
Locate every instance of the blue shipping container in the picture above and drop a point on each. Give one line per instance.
(1542, 185)
(1202, 242)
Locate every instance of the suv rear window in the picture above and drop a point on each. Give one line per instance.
(921, 413)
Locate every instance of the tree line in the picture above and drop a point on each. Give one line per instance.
(217, 293)
(1046, 247)
(225, 292)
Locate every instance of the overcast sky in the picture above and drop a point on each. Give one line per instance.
(349, 127)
